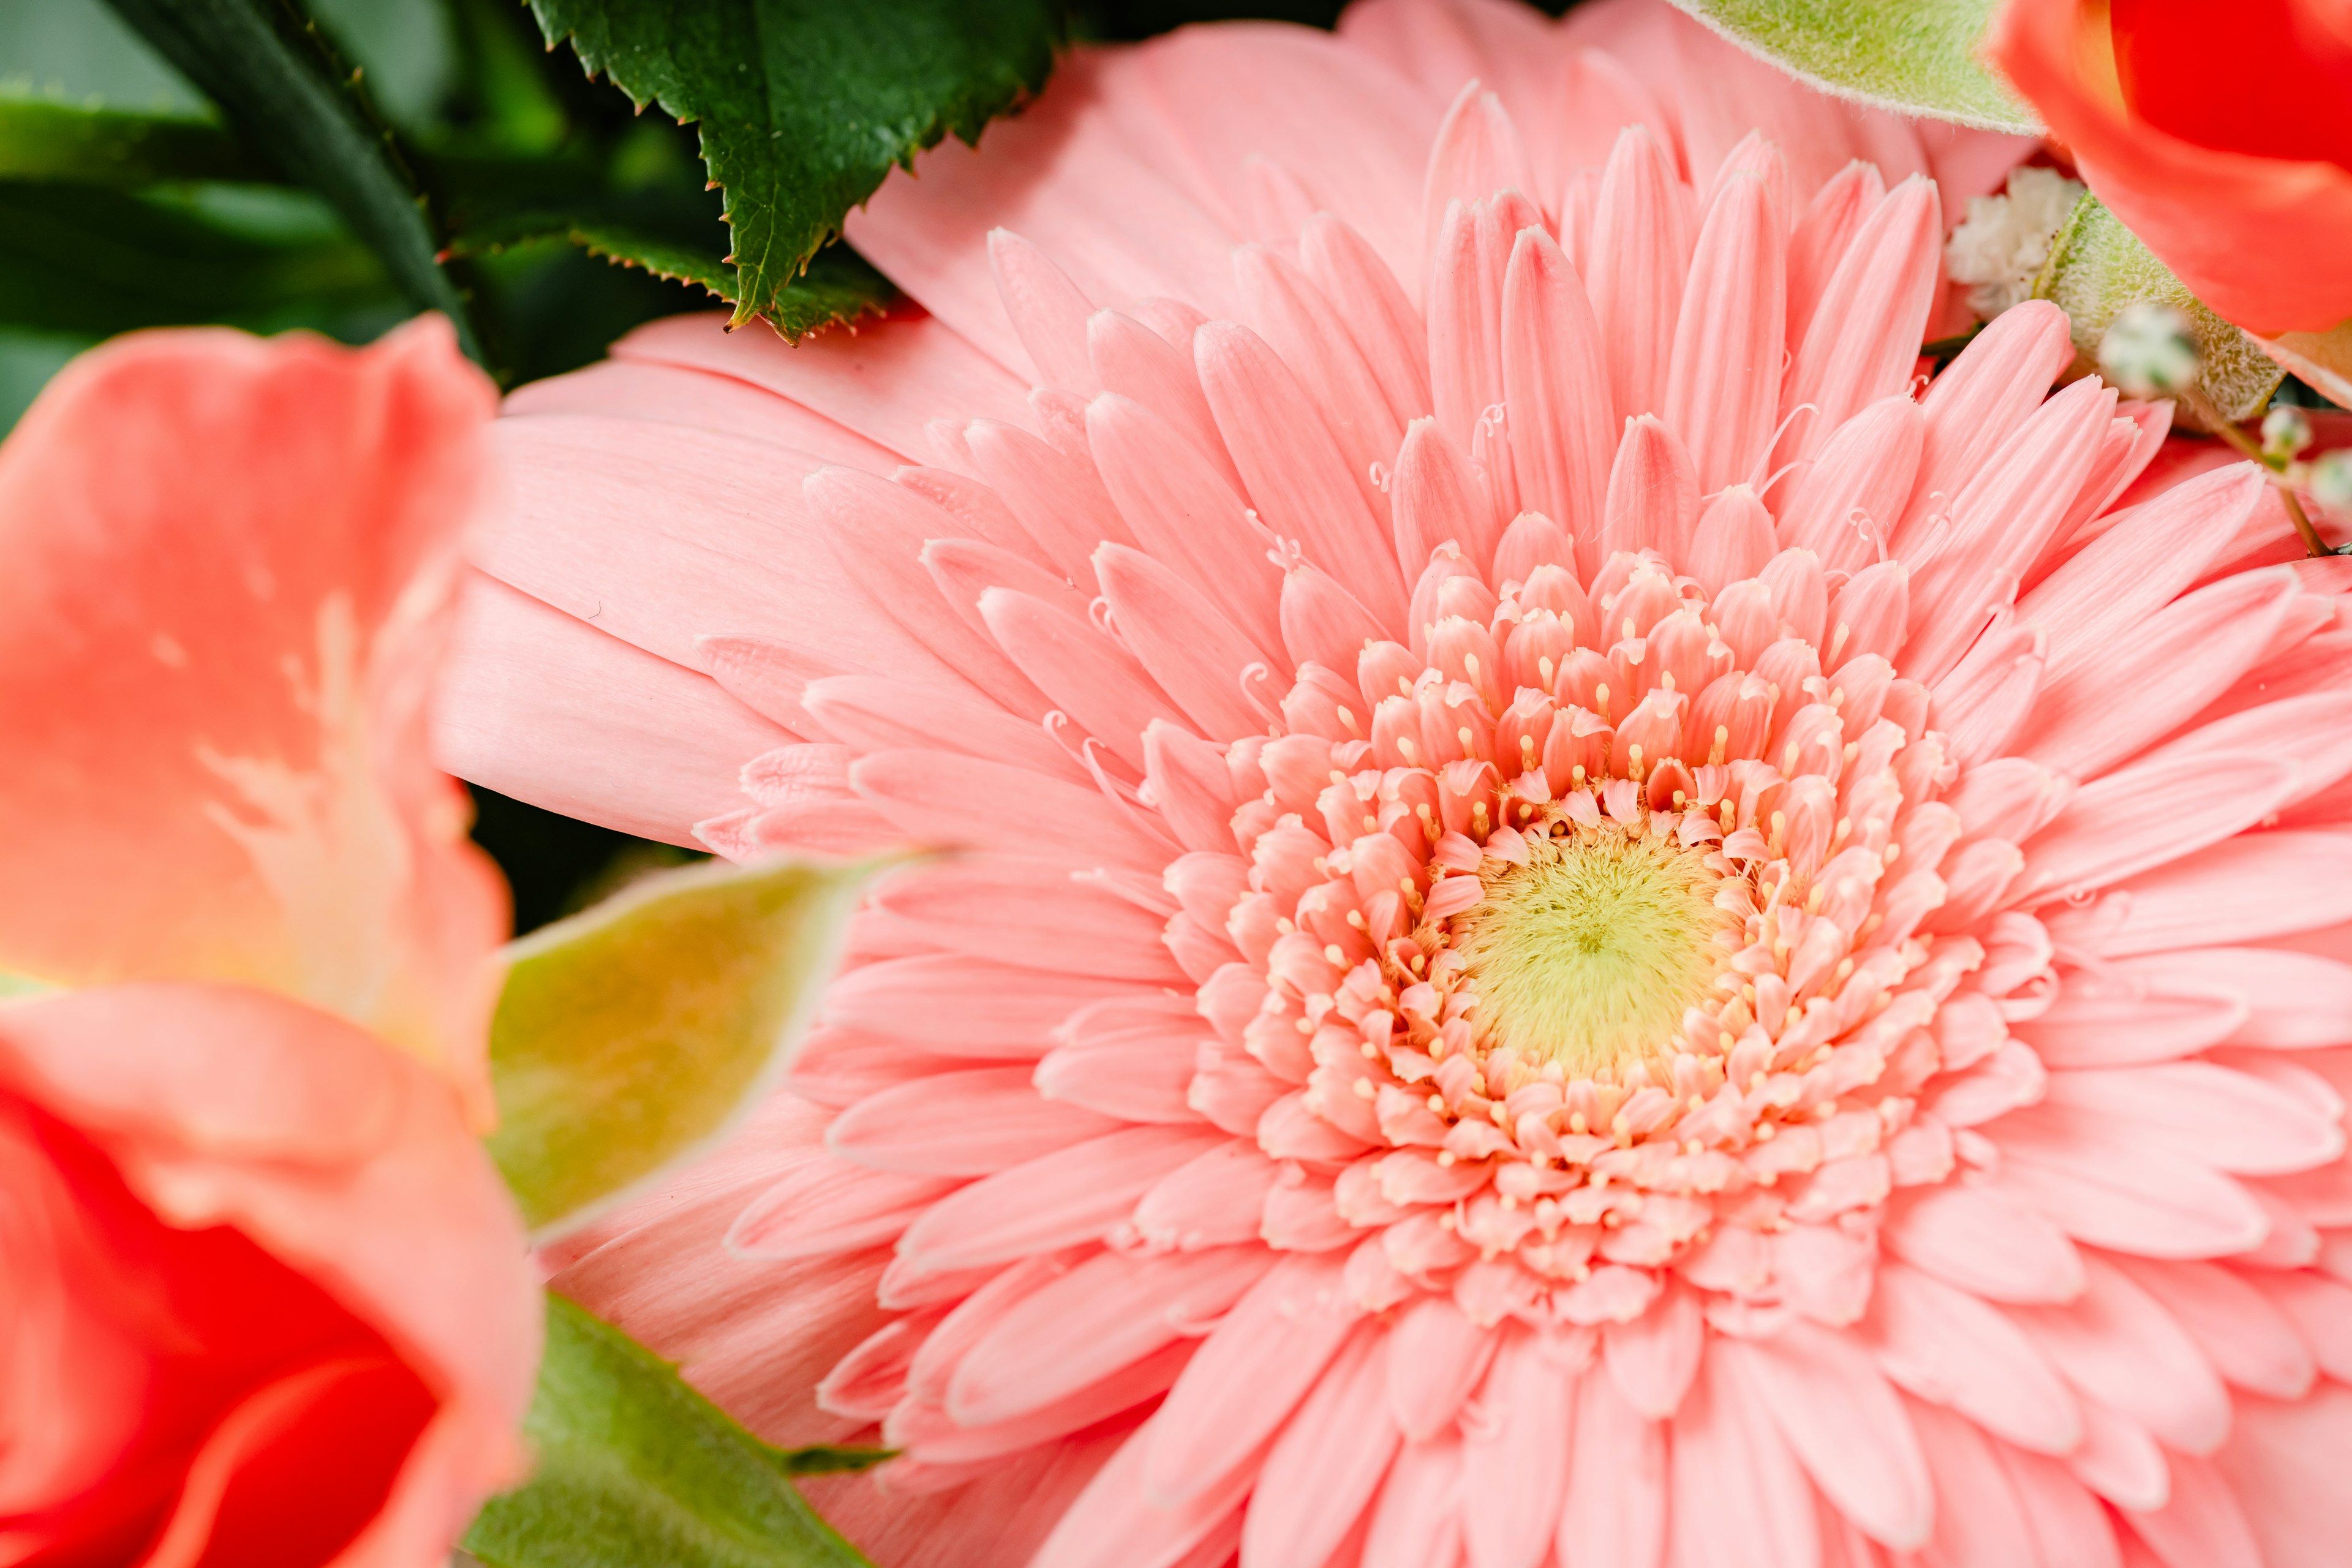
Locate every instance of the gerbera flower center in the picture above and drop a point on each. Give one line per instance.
(1590, 953)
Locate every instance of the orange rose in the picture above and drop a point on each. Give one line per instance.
(2221, 136)
(263, 1300)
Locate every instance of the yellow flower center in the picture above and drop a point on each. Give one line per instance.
(1590, 954)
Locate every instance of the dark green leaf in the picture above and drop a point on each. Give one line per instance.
(629, 1035)
(40, 139)
(805, 105)
(77, 259)
(291, 100)
(839, 285)
(637, 1470)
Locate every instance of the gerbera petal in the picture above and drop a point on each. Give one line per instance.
(1944, 1344)
(1323, 1470)
(1847, 1426)
(1739, 1498)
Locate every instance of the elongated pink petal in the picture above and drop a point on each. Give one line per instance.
(1944, 1344)
(1847, 1426)
(1517, 1448)
(1555, 383)
(1723, 382)
(1739, 1500)
(1249, 1375)
(1321, 1472)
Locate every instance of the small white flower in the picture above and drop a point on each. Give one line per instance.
(2286, 433)
(2006, 238)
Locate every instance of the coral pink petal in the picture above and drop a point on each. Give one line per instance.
(1847, 1426)
(1322, 1471)
(1518, 1450)
(1739, 1498)
(235, 564)
(1613, 1514)
(620, 738)
(1947, 1345)
(2121, 1348)
(1249, 1375)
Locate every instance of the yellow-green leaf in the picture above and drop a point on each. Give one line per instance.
(1915, 56)
(633, 1034)
(2097, 267)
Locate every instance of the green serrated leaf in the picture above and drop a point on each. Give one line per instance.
(634, 1469)
(2097, 267)
(805, 105)
(1915, 56)
(95, 262)
(630, 1036)
(291, 100)
(41, 140)
(839, 286)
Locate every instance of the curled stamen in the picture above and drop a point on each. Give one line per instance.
(1866, 528)
(1121, 796)
(1774, 443)
(1256, 670)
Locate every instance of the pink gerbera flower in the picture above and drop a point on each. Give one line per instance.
(1592, 934)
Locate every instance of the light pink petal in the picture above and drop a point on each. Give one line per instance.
(1306, 328)
(1555, 384)
(2121, 1348)
(874, 713)
(1183, 513)
(1822, 232)
(1435, 1356)
(1114, 1523)
(1322, 1470)
(1047, 311)
(1058, 1200)
(1515, 1444)
(1723, 384)
(1025, 914)
(1740, 1499)
(962, 1005)
(1640, 253)
(2247, 1340)
(2105, 834)
(2087, 605)
(2201, 1525)
(1872, 312)
(1845, 1424)
(700, 398)
(1653, 500)
(1377, 312)
(2119, 1460)
(942, 799)
(882, 382)
(1979, 1518)
(1947, 1345)
(1083, 673)
(1438, 498)
(1842, 506)
(2242, 889)
(2109, 703)
(1106, 1313)
(1417, 1522)
(2281, 1462)
(1477, 151)
(1999, 522)
(1652, 1358)
(1249, 1375)
(2105, 1187)
(1294, 471)
(617, 736)
(1986, 1242)
(960, 1124)
(1979, 402)
(2068, 1522)
(2205, 1112)
(1614, 1512)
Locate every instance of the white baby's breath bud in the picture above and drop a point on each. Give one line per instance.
(2148, 350)
(2006, 238)
(2330, 482)
(2286, 433)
